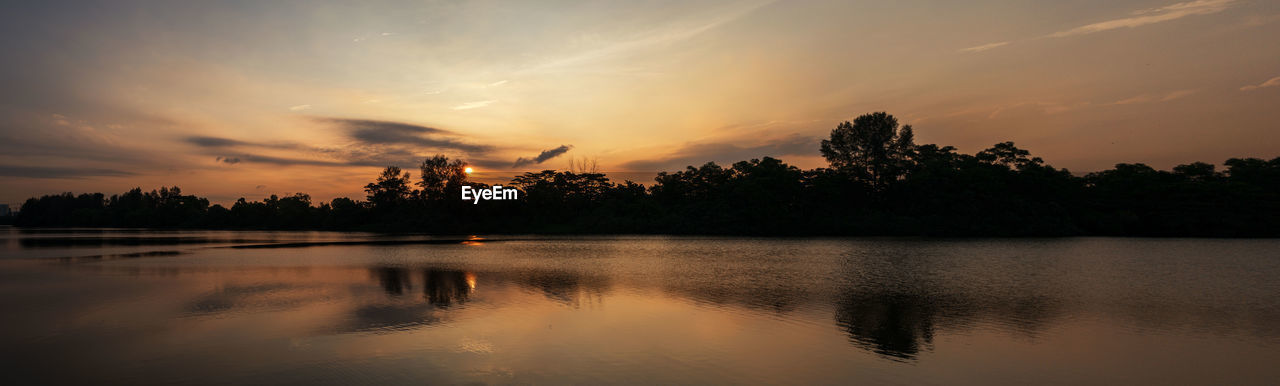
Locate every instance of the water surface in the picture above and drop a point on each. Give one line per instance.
(202, 307)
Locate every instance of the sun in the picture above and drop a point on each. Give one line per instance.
(468, 170)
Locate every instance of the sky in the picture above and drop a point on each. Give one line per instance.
(247, 99)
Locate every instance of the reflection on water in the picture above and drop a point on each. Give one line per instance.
(334, 308)
(892, 325)
(900, 326)
(440, 287)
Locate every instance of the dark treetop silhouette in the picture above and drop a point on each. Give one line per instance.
(879, 183)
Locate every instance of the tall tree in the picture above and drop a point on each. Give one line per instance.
(871, 148)
(1010, 156)
(390, 190)
(441, 176)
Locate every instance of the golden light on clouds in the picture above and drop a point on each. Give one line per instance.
(276, 100)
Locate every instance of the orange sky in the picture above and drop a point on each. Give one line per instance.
(232, 100)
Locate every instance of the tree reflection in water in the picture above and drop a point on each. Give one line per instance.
(443, 288)
(893, 325)
(900, 325)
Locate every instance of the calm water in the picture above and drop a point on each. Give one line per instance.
(83, 306)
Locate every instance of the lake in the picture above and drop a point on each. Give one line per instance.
(211, 307)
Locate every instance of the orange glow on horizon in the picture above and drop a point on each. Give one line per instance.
(663, 83)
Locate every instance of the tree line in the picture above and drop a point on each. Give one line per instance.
(879, 182)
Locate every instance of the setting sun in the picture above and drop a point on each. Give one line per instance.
(468, 170)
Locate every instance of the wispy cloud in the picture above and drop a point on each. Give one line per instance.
(498, 83)
(984, 47)
(1252, 21)
(1176, 95)
(371, 124)
(282, 161)
(300, 107)
(214, 142)
(542, 157)
(473, 105)
(1273, 82)
(219, 142)
(58, 172)
(375, 132)
(227, 160)
(653, 38)
(374, 143)
(1146, 98)
(1151, 16)
(1043, 107)
(1135, 19)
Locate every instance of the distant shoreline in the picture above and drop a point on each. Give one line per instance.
(879, 183)
(624, 234)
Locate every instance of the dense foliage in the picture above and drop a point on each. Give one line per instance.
(879, 183)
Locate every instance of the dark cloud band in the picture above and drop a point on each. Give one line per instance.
(58, 172)
(542, 157)
(374, 132)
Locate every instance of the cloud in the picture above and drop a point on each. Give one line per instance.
(1252, 21)
(1176, 95)
(342, 158)
(1150, 16)
(1042, 107)
(984, 47)
(700, 153)
(376, 143)
(489, 163)
(214, 142)
(66, 138)
(542, 157)
(369, 124)
(498, 83)
(1136, 19)
(398, 133)
(282, 161)
(1273, 82)
(381, 156)
(653, 38)
(300, 108)
(1135, 100)
(1145, 98)
(58, 172)
(473, 105)
(226, 143)
(391, 137)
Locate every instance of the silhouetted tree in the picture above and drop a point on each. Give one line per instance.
(390, 191)
(1255, 172)
(1008, 155)
(880, 183)
(441, 176)
(872, 148)
(345, 213)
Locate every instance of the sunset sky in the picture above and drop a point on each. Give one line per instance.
(246, 99)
